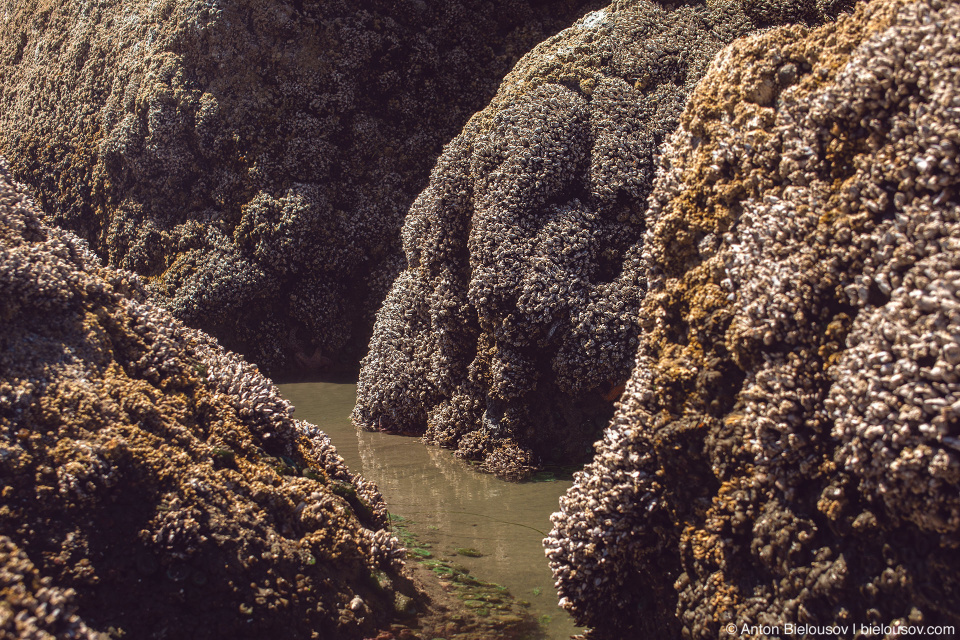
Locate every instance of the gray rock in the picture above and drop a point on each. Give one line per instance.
(253, 161)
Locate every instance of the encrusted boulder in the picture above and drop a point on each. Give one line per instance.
(252, 160)
(787, 450)
(155, 485)
(515, 324)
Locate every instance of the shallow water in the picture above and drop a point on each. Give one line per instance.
(447, 503)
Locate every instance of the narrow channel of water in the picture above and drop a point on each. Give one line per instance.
(447, 503)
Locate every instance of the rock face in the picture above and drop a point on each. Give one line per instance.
(788, 447)
(154, 483)
(252, 160)
(515, 323)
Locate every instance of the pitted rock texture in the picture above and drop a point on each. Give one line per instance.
(515, 324)
(788, 447)
(154, 484)
(252, 160)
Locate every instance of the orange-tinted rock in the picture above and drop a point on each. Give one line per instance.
(786, 451)
(153, 482)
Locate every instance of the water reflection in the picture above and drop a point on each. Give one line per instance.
(450, 505)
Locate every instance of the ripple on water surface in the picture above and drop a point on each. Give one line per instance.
(491, 527)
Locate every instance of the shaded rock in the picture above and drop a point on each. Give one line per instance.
(154, 484)
(31, 606)
(252, 160)
(515, 323)
(786, 451)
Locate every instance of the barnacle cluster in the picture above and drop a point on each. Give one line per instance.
(787, 449)
(515, 324)
(253, 161)
(32, 607)
(153, 481)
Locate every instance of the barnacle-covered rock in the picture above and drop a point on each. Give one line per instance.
(515, 323)
(154, 484)
(787, 450)
(31, 607)
(253, 160)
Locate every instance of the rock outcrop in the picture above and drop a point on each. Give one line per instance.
(787, 450)
(253, 161)
(515, 323)
(154, 485)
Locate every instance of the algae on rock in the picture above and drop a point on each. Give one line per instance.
(154, 484)
(787, 450)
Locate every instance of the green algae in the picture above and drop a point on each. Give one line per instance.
(481, 598)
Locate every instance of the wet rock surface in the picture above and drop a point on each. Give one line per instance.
(787, 449)
(515, 324)
(154, 484)
(254, 161)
